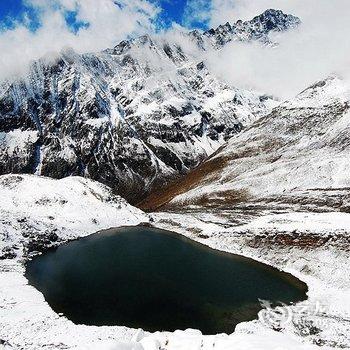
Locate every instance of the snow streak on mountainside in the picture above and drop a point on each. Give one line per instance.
(299, 153)
(130, 117)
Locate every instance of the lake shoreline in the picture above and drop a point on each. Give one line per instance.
(224, 292)
(310, 246)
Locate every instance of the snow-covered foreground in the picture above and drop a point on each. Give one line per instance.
(37, 212)
(312, 246)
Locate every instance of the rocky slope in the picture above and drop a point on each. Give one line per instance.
(298, 154)
(130, 117)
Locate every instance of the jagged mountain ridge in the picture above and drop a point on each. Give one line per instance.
(257, 29)
(130, 117)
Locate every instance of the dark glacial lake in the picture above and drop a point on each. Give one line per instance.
(147, 278)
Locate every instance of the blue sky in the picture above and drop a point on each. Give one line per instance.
(14, 11)
(178, 11)
(10, 10)
(172, 10)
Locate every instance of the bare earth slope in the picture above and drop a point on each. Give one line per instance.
(299, 153)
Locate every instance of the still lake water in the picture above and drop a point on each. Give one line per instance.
(143, 277)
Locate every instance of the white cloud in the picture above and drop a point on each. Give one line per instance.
(321, 46)
(108, 24)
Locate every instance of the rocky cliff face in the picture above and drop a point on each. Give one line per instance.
(131, 117)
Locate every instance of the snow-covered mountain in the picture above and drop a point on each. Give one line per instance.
(298, 154)
(133, 116)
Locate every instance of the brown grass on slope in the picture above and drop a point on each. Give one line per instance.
(194, 178)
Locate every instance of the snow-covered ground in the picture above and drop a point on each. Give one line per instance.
(37, 212)
(312, 246)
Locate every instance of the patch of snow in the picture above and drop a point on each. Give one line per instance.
(17, 140)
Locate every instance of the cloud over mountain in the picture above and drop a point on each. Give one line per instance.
(105, 23)
(319, 47)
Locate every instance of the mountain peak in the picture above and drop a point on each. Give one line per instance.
(257, 28)
(275, 20)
